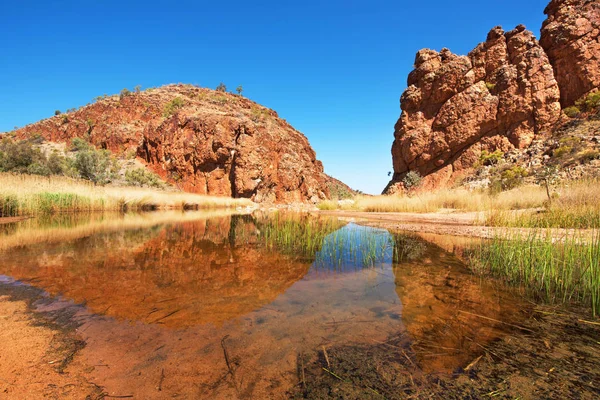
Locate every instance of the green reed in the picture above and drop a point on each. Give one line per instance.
(557, 272)
(323, 241)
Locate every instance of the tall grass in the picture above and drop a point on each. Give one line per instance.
(328, 242)
(575, 205)
(460, 199)
(560, 272)
(34, 195)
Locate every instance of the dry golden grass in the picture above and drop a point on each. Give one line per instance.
(32, 195)
(459, 199)
(574, 205)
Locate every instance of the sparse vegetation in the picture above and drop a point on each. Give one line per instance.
(221, 87)
(490, 86)
(57, 112)
(239, 89)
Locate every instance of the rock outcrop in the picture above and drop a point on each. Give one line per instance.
(571, 38)
(201, 140)
(502, 95)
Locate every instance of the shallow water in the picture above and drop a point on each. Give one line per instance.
(198, 306)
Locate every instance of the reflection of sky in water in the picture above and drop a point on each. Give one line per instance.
(353, 248)
(352, 271)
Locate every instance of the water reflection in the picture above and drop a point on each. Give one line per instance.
(170, 288)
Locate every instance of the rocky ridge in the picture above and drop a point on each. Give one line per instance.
(200, 140)
(503, 96)
(571, 38)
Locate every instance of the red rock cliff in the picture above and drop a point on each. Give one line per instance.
(204, 141)
(571, 38)
(500, 96)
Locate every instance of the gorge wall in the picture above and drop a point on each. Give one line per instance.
(200, 140)
(503, 95)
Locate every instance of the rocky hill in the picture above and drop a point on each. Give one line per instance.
(505, 95)
(201, 140)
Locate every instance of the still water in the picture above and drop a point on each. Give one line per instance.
(224, 306)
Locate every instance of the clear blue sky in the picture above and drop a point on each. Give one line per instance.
(334, 69)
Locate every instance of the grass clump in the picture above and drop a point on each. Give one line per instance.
(555, 272)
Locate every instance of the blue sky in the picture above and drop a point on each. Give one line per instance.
(334, 69)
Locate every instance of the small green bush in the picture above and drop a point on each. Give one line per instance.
(572, 112)
(124, 93)
(98, 166)
(487, 158)
(239, 89)
(79, 144)
(588, 155)
(173, 106)
(490, 86)
(589, 102)
(221, 87)
(57, 112)
(142, 177)
(412, 180)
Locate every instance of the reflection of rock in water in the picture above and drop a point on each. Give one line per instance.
(179, 275)
(447, 310)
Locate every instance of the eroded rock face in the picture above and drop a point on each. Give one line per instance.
(501, 95)
(571, 38)
(205, 142)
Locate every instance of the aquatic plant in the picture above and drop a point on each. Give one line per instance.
(557, 272)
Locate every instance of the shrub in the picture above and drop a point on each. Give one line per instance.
(588, 155)
(508, 178)
(23, 157)
(79, 144)
(239, 89)
(221, 87)
(137, 88)
(124, 93)
(412, 180)
(57, 112)
(589, 102)
(173, 106)
(142, 177)
(572, 112)
(487, 158)
(95, 165)
(490, 86)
